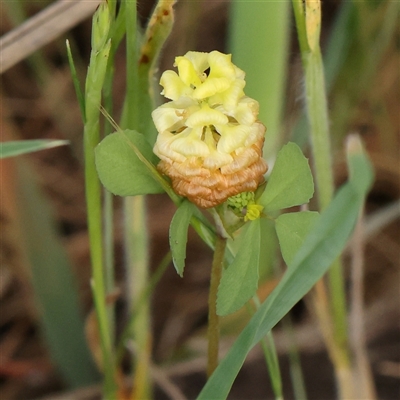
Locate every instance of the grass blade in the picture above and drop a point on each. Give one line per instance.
(18, 147)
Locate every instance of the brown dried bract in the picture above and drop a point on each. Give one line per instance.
(208, 188)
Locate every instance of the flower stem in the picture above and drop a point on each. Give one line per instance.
(331, 312)
(213, 319)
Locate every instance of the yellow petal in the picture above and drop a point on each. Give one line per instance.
(253, 212)
(232, 137)
(246, 111)
(206, 116)
(173, 85)
(187, 72)
(211, 86)
(189, 143)
(170, 116)
(163, 149)
(199, 61)
(165, 118)
(257, 132)
(239, 74)
(230, 97)
(216, 159)
(221, 65)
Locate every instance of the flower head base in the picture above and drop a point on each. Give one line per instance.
(210, 141)
(243, 205)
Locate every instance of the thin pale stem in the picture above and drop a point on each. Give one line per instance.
(296, 373)
(338, 354)
(363, 375)
(213, 318)
(271, 359)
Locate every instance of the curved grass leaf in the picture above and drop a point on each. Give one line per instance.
(18, 147)
(292, 229)
(178, 234)
(120, 169)
(239, 281)
(291, 181)
(320, 248)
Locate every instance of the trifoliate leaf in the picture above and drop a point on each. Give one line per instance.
(292, 229)
(290, 183)
(119, 167)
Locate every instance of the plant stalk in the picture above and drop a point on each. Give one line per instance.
(213, 318)
(308, 21)
(93, 89)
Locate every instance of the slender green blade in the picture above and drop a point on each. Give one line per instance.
(78, 91)
(239, 282)
(290, 183)
(53, 282)
(18, 147)
(178, 234)
(258, 40)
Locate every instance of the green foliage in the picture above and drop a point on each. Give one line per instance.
(18, 147)
(320, 248)
(56, 292)
(78, 91)
(178, 234)
(119, 167)
(290, 183)
(292, 229)
(95, 79)
(239, 282)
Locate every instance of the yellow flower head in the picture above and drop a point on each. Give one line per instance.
(209, 139)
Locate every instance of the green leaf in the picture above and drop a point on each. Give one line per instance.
(239, 281)
(120, 169)
(178, 234)
(359, 165)
(320, 248)
(78, 91)
(18, 147)
(292, 229)
(290, 183)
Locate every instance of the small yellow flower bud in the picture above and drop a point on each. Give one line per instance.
(253, 212)
(209, 139)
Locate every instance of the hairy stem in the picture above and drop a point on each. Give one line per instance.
(213, 319)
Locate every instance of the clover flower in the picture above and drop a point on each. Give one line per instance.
(209, 139)
(244, 205)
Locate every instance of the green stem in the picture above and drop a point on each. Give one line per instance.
(138, 276)
(317, 109)
(94, 84)
(93, 201)
(143, 298)
(108, 207)
(319, 126)
(130, 114)
(136, 245)
(298, 9)
(321, 146)
(213, 319)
